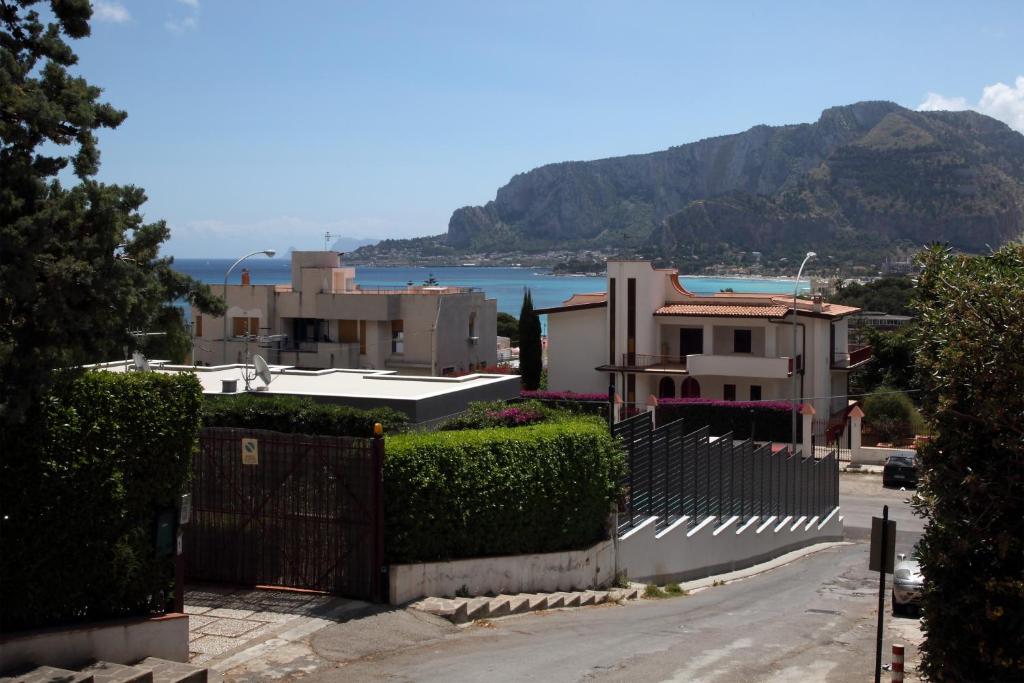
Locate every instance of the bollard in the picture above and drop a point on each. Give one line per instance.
(897, 663)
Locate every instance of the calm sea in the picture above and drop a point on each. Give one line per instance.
(504, 284)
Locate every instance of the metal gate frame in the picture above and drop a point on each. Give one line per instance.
(304, 512)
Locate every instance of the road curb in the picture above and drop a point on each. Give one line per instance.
(780, 561)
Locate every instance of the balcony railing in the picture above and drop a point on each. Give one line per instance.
(643, 361)
(854, 356)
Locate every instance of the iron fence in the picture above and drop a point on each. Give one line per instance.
(675, 473)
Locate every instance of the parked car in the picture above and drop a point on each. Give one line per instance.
(907, 584)
(900, 470)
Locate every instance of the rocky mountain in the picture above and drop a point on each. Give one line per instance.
(863, 176)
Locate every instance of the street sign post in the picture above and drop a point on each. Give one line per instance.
(881, 560)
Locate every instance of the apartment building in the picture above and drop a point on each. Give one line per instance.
(323, 319)
(647, 335)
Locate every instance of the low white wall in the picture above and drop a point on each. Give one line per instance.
(548, 572)
(869, 455)
(124, 641)
(715, 545)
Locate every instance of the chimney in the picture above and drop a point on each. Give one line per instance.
(245, 276)
(817, 303)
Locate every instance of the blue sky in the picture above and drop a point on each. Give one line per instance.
(257, 124)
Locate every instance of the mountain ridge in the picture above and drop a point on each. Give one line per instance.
(870, 175)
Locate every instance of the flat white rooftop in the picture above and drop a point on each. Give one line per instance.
(422, 397)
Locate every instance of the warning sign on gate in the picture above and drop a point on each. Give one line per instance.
(250, 452)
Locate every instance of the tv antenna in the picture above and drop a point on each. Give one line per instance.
(327, 240)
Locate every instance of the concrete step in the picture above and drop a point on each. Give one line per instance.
(46, 674)
(109, 672)
(165, 671)
(478, 608)
(461, 610)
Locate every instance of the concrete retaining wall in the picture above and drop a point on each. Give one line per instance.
(691, 550)
(548, 572)
(124, 641)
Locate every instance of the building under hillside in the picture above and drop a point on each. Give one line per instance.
(648, 335)
(323, 319)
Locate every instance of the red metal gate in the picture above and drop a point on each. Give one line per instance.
(287, 510)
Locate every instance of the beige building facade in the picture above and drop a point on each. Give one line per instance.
(323, 319)
(647, 335)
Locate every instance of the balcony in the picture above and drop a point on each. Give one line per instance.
(739, 366)
(649, 363)
(854, 357)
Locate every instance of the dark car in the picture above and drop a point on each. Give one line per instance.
(900, 470)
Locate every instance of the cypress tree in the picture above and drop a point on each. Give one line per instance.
(530, 357)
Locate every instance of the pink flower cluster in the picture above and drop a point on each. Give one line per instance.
(515, 417)
(562, 396)
(784, 406)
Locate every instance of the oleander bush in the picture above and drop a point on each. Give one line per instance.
(587, 403)
(298, 415)
(499, 491)
(484, 414)
(970, 361)
(81, 486)
(758, 420)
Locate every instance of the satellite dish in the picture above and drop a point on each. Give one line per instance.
(262, 369)
(140, 362)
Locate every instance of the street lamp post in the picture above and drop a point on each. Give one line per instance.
(224, 341)
(796, 289)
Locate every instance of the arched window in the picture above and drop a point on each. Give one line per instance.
(690, 388)
(666, 388)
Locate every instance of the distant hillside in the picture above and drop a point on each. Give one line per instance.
(864, 177)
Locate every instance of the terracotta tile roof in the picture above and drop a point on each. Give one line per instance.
(730, 310)
(590, 298)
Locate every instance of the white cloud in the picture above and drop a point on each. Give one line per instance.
(113, 12)
(186, 23)
(1000, 101)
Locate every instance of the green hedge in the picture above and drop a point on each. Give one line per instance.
(501, 491)
(759, 420)
(298, 415)
(81, 488)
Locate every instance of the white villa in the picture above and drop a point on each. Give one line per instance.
(323, 319)
(648, 335)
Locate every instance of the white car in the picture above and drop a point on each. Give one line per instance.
(907, 584)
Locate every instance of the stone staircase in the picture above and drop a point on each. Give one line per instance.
(462, 610)
(149, 670)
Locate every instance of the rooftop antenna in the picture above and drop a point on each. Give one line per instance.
(327, 240)
(262, 371)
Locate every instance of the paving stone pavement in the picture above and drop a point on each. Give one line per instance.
(225, 620)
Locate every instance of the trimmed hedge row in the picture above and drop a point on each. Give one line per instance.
(80, 490)
(759, 420)
(500, 491)
(298, 415)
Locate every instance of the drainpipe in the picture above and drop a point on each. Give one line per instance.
(433, 337)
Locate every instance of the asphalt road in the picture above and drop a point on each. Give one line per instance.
(811, 620)
(861, 497)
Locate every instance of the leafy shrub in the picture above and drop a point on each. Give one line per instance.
(588, 404)
(484, 414)
(80, 500)
(758, 420)
(971, 362)
(499, 491)
(892, 416)
(298, 415)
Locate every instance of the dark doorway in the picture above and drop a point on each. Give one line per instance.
(666, 388)
(691, 341)
(690, 388)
